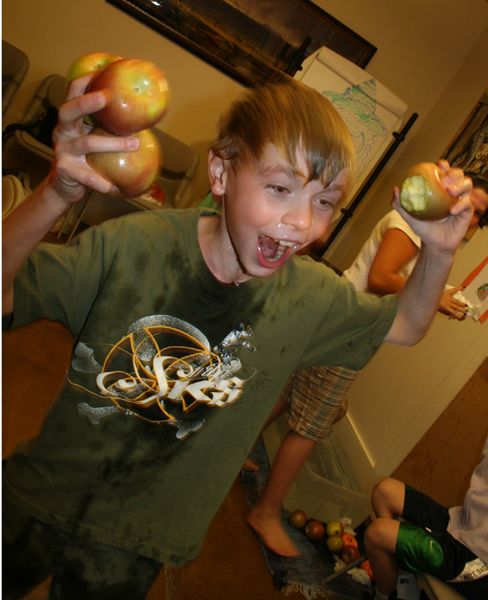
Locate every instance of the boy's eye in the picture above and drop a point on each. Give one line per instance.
(325, 204)
(278, 189)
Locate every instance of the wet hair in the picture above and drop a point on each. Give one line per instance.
(480, 181)
(291, 116)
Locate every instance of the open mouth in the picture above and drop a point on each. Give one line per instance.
(275, 250)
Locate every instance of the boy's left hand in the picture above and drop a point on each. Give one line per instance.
(444, 235)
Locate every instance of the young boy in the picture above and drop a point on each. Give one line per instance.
(187, 327)
(451, 544)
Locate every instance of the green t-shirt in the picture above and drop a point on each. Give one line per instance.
(152, 329)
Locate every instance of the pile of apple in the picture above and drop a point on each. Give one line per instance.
(137, 92)
(339, 542)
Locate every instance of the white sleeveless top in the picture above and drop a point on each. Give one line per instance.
(358, 272)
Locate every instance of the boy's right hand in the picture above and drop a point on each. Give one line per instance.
(70, 173)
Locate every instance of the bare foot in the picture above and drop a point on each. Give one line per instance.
(250, 465)
(270, 529)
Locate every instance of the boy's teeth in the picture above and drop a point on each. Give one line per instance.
(274, 249)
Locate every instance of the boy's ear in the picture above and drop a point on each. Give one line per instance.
(217, 173)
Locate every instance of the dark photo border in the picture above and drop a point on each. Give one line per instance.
(253, 42)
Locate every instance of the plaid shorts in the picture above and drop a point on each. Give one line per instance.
(317, 399)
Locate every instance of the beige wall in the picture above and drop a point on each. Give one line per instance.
(421, 47)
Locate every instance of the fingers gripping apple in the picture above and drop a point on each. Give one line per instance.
(132, 172)
(137, 96)
(423, 195)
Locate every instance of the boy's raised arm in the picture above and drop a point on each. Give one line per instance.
(419, 298)
(66, 184)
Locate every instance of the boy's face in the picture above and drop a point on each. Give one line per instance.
(271, 211)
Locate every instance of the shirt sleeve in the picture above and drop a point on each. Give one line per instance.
(60, 281)
(352, 328)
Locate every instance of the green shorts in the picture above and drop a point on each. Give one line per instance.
(424, 545)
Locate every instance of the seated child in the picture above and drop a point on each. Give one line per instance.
(414, 532)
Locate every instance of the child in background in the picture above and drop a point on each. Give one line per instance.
(187, 327)
(451, 544)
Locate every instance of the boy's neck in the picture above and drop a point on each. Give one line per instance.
(218, 252)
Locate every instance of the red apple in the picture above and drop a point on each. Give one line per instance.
(297, 519)
(423, 195)
(314, 529)
(87, 63)
(349, 554)
(132, 172)
(349, 540)
(137, 92)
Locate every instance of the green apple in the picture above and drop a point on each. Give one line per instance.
(137, 95)
(334, 543)
(132, 172)
(87, 63)
(334, 528)
(423, 195)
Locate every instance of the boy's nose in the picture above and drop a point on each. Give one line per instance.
(299, 216)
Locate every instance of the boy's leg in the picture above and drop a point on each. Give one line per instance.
(420, 543)
(30, 550)
(278, 409)
(388, 498)
(265, 517)
(91, 570)
(316, 397)
(380, 544)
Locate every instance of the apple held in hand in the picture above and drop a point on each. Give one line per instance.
(87, 63)
(137, 92)
(132, 172)
(423, 195)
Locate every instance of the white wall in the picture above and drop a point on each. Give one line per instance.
(402, 391)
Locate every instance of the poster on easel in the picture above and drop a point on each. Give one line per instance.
(371, 112)
(475, 291)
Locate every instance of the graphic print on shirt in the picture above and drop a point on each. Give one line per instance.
(162, 371)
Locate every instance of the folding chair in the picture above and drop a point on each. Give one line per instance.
(15, 64)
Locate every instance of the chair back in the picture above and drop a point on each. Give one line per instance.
(15, 64)
(179, 165)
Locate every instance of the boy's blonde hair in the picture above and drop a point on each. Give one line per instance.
(291, 116)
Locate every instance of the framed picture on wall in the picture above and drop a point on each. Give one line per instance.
(469, 149)
(252, 41)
